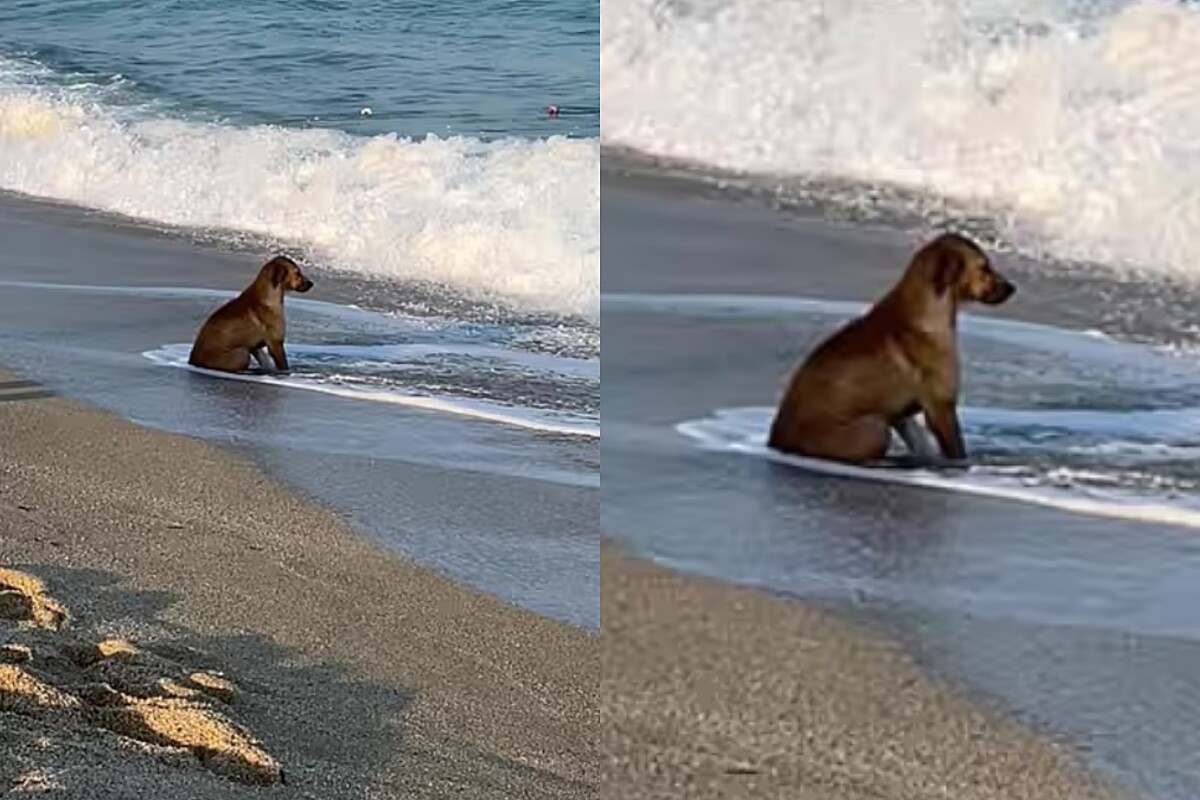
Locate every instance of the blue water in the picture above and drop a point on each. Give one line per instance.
(484, 68)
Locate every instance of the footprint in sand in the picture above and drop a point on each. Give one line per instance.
(168, 710)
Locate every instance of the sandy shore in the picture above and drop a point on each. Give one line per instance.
(362, 675)
(715, 691)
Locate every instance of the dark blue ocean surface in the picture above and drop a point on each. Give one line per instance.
(484, 68)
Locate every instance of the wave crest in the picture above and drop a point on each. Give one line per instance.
(514, 220)
(1072, 124)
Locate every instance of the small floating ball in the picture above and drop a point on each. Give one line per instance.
(366, 112)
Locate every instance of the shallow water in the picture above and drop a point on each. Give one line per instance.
(1066, 419)
(1112, 464)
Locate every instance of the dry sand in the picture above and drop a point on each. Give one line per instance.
(710, 691)
(197, 622)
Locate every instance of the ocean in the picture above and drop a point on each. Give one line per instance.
(248, 120)
(152, 155)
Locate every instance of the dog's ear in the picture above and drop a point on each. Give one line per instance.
(278, 271)
(948, 266)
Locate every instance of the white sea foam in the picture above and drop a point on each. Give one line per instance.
(542, 420)
(1078, 490)
(1074, 124)
(513, 220)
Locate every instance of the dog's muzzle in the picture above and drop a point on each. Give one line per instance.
(305, 285)
(1001, 291)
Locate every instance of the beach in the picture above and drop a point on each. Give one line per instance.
(1075, 626)
(87, 295)
(364, 675)
(714, 691)
(325, 553)
(375, 575)
(444, 391)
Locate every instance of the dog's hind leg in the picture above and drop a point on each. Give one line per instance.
(859, 441)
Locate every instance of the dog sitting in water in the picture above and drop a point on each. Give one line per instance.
(250, 322)
(877, 372)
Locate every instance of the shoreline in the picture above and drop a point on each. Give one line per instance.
(368, 675)
(80, 307)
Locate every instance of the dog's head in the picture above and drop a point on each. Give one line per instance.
(954, 263)
(285, 273)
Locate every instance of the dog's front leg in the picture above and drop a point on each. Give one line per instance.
(277, 354)
(943, 421)
(915, 437)
(260, 356)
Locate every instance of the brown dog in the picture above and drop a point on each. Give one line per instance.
(251, 321)
(881, 369)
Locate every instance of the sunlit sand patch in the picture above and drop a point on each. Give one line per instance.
(154, 705)
(23, 599)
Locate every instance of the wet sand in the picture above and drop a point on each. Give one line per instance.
(363, 675)
(1078, 627)
(710, 691)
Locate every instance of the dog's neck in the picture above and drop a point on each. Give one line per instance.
(923, 308)
(267, 292)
